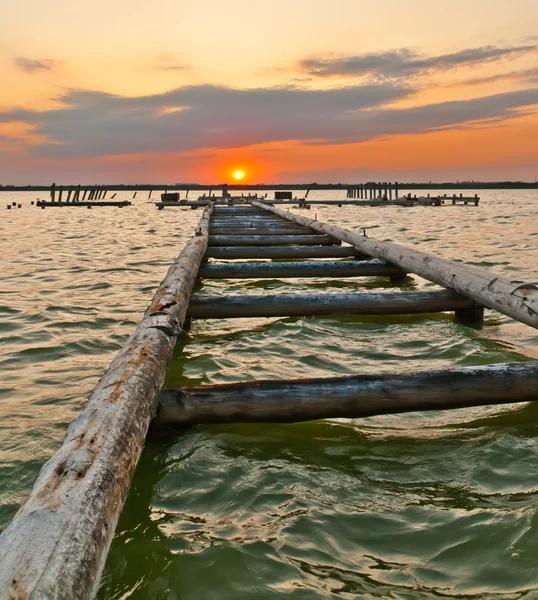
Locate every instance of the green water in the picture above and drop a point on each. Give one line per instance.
(438, 505)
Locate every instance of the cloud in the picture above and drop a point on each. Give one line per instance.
(29, 65)
(168, 61)
(407, 62)
(529, 75)
(95, 123)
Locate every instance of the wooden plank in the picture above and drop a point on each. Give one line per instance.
(511, 297)
(56, 545)
(254, 270)
(221, 211)
(360, 303)
(81, 204)
(249, 222)
(354, 397)
(264, 240)
(282, 252)
(264, 231)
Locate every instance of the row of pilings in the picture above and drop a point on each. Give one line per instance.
(374, 190)
(78, 193)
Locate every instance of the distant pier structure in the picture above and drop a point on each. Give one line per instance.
(361, 194)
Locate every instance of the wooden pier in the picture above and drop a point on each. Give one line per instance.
(74, 196)
(406, 201)
(85, 204)
(56, 545)
(369, 194)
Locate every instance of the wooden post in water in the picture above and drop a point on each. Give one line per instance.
(52, 192)
(56, 545)
(60, 193)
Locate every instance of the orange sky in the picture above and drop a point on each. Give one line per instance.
(287, 91)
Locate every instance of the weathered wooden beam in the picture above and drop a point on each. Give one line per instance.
(264, 240)
(352, 397)
(249, 218)
(269, 230)
(236, 210)
(254, 270)
(55, 547)
(511, 297)
(245, 252)
(119, 203)
(360, 303)
(248, 222)
(252, 223)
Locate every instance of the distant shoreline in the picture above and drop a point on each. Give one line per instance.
(466, 185)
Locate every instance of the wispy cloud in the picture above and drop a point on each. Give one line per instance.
(198, 117)
(93, 123)
(168, 61)
(527, 75)
(33, 65)
(407, 62)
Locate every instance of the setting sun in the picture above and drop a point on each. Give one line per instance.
(239, 175)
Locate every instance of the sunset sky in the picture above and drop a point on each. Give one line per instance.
(125, 91)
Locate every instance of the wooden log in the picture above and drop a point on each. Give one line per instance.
(354, 397)
(273, 219)
(360, 303)
(261, 270)
(245, 252)
(89, 204)
(233, 211)
(248, 219)
(511, 297)
(281, 226)
(270, 230)
(56, 545)
(265, 240)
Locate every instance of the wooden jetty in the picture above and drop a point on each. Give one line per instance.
(56, 545)
(117, 204)
(405, 201)
(75, 196)
(368, 194)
